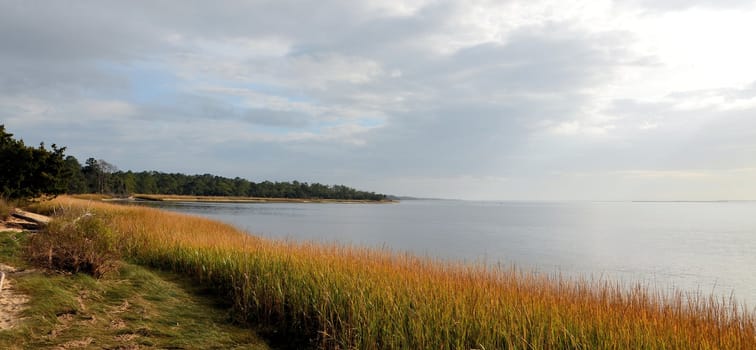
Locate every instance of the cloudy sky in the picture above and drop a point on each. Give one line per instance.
(596, 100)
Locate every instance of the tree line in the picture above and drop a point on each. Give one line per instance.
(99, 176)
(29, 172)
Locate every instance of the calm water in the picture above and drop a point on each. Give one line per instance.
(696, 246)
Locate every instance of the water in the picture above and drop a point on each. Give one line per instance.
(706, 247)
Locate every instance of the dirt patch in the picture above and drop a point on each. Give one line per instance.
(11, 301)
(117, 323)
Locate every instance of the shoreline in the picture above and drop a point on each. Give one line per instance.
(333, 294)
(232, 199)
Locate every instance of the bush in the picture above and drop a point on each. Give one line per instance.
(72, 243)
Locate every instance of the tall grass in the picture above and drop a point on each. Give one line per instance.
(5, 208)
(341, 297)
(77, 243)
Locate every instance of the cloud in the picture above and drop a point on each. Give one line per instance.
(276, 118)
(461, 96)
(573, 128)
(677, 5)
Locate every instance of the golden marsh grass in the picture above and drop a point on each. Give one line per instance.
(342, 297)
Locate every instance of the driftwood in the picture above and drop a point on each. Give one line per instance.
(24, 220)
(30, 221)
(31, 217)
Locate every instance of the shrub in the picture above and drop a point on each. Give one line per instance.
(76, 243)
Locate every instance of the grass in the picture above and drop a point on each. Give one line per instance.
(11, 248)
(78, 243)
(337, 297)
(92, 196)
(5, 209)
(129, 308)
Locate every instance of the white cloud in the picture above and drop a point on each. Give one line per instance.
(36, 111)
(473, 99)
(338, 68)
(23, 109)
(648, 125)
(233, 62)
(106, 109)
(578, 128)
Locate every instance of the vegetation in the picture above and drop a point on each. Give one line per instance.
(331, 296)
(323, 296)
(75, 242)
(130, 308)
(232, 199)
(27, 172)
(5, 209)
(102, 177)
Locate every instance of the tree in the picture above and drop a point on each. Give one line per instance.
(145, 183)
(28, 172)
(99, 179)
(129, 182)
(77, 183)
(92, 174)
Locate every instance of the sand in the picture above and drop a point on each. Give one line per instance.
(12, 302)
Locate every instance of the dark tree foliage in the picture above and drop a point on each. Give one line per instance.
(152, 182)
(28, 172)
(77, 183)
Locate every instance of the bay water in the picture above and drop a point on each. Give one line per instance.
(697, 247)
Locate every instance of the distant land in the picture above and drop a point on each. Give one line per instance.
(236, 199)
(29, 172)
(101, 177)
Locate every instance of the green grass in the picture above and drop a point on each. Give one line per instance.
(339, 297)
(10, 247)
(131, 307)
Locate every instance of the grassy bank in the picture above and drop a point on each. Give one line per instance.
(130, 308)
(332, 296)
(233, 199)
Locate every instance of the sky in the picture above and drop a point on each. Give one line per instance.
(483, 100)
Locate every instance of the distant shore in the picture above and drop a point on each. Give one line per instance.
(233, 199)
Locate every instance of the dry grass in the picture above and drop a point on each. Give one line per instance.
(5, 209)
(92, 196)
(338, 297)
(77, 241)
